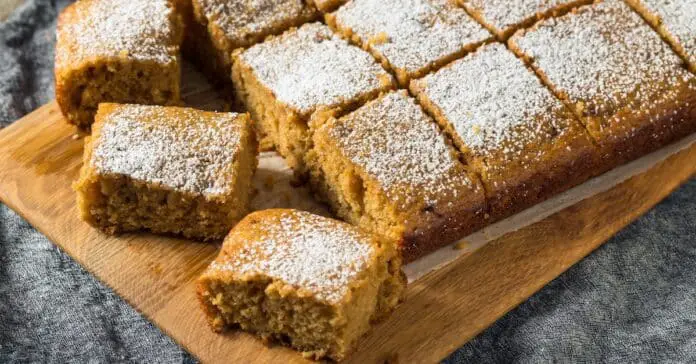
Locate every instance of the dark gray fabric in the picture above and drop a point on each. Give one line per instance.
(634, 299)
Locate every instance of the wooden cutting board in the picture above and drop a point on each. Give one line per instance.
(40, 157)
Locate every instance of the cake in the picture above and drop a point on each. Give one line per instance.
(631, 91)
(411, 37)
(114, 51)
(504, 17)
(222, 26)
(387, 168)
(167, 170)
(310, 282)
(675, 20)
(286, 79)
(514, 133)
(326, 5)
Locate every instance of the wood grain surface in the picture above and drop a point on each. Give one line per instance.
(41, 157)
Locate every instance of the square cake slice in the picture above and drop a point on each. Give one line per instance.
(675, 20)
(310, 282)
(410, 38)
(221, 26)
(387, 168)
(286, 79)
(504, 17)
(167, 170)
(116, 51)
(632, 92)
(522, 141)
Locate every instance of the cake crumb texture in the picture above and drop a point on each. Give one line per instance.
(168, 170)
(387, 168)
(113, 51)
(302, 280)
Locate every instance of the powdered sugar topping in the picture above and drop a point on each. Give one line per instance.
(182, 149)
(312, 67)
(603, 55)
(240, 19)
(141, 30)
(411, 34)
(304, 250)
(402, 148)
(679, 18)
(493, 101)
(504, 14)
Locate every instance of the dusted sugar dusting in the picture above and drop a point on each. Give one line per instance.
(312, 67)
(603, 55)
(183, 152)
(306, 251)
(240, 19)
(402, 148)
(140, 30)
(678, 17)
(411, 34)
(493, 102)
(505, 14)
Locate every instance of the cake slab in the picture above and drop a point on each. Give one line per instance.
(41, 157)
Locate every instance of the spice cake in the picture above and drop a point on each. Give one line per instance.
(631, 91)
(222, 26)
(675, 20)
(167, 170)
(522, 141)
(114, 51)
(286, 79)
(304, 280)
(504, 17)
(409, 37)
(387, 168)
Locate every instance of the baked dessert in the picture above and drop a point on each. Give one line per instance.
(411, 37)
(514, 133)
(304, 280)
(387, 168)
(675, 20)
(503, 17)
(114, 51)
(326, 5)
(166, 170)
(286, 79)
(222, 26)
(631, 91)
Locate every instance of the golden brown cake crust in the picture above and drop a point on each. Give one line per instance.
(110, 51)
(167, 170)
(222, 26)
(286, 79)
(387, 168)
(641, 96)
(307, 281)
(523, 142)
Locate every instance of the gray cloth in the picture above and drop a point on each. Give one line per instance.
(634, 299)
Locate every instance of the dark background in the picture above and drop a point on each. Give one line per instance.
(633, 300)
